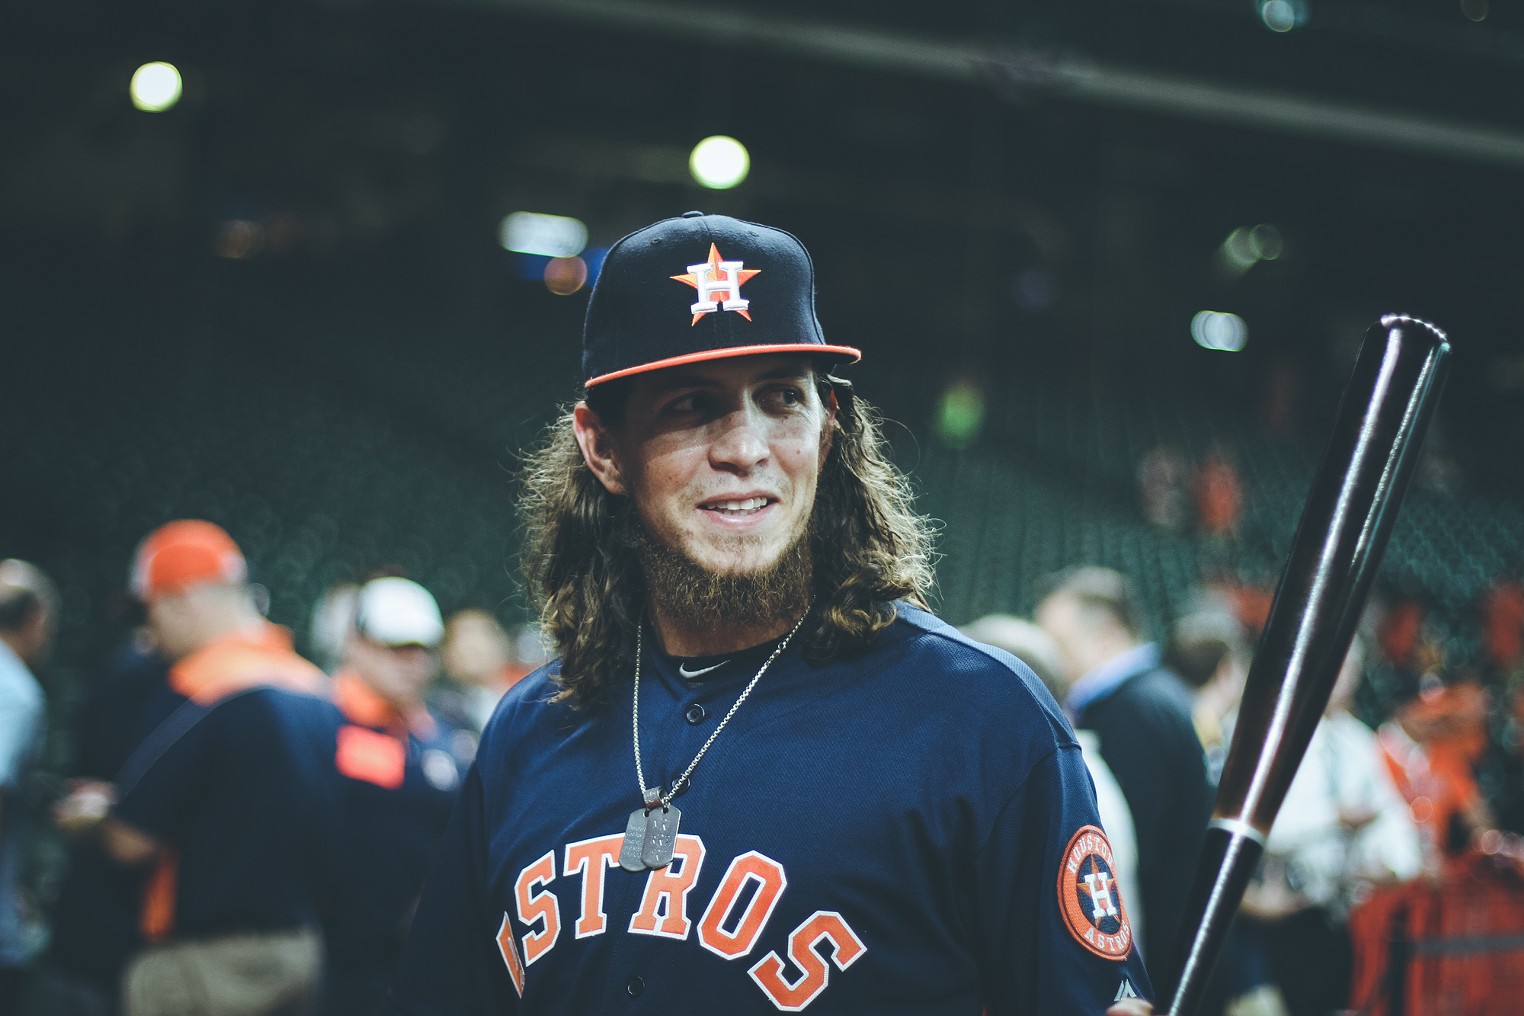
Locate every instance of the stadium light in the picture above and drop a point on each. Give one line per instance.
(155, 87)
(719, 162)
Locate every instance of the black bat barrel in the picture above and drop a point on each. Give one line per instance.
(1335, 554)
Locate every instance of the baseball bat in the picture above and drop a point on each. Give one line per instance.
(1344, 528)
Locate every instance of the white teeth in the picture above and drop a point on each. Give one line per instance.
(749, 504)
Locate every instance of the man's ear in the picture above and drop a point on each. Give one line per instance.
(830, 427)
(597, 445)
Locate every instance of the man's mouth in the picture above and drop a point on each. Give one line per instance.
(739, 506)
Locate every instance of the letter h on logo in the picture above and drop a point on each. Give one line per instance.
(726, 282)
(1099, 884)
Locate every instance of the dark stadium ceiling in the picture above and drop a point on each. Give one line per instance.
(1113, 144)
(1438, 80)
(1434, 77)
(1054, 176)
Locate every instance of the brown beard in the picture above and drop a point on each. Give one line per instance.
(699, 599)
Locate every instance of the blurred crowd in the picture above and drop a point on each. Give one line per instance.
(1393, 879)
(248, 831)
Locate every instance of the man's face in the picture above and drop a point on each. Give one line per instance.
(173, 622)
(399, 674)
(721, 459)
(1061, 616)
(475, 649)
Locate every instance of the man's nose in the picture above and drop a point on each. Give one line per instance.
(741, 443)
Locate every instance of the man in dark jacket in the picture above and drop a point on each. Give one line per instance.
(1141, 712)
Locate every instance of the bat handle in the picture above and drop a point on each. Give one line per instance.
(1229, 855)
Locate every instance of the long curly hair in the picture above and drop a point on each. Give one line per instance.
(869, 546)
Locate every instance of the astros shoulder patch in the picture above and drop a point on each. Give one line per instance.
(1088, 896)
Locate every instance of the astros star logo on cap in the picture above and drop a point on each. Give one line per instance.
(718, 278)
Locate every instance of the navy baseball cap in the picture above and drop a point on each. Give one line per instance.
(701, 287)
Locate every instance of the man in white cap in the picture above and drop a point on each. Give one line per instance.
(401, 781)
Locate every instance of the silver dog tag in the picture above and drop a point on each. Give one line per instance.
(634, 842)
(661, 837)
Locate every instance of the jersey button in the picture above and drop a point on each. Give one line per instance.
(636, 987)
(695, 713)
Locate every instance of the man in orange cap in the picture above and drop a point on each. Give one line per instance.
(232, 799)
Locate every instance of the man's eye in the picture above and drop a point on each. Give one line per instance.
(788, 396)
(691, 403)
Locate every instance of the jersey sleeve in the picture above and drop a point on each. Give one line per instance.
(457, 960)
(1052, 918)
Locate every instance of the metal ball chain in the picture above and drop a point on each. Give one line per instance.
(651, 799)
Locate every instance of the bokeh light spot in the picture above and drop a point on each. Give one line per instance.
(551, 236)
(1219, 330)
(1278, 15)
(960, 417)
(156, 87)
(719, 162)
(564, 276)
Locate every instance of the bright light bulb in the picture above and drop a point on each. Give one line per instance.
(719, 162)
(155, 87)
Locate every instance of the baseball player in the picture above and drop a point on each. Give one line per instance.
(761, 777)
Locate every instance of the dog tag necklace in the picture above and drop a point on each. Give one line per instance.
(651, 834)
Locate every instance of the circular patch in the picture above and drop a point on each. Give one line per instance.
(1088, 896)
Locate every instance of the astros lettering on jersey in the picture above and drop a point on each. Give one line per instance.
(908, 831)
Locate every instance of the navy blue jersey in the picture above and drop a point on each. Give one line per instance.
(95, 919)
(912, 830)
(243, 791)
(399, 784)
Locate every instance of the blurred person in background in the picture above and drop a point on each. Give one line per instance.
(1208, 650)
(329, 625)
(1164, 478)
(1431, 746)
(1342, 830)
(1219, 493)
(28, 620)
(482, 660)
(1502, 624)
(1116, 685)
(400, 783)
(94, 921)
(1036, 648)
(231, 802)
